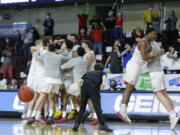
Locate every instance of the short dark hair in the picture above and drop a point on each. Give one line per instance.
(88, 42)
(81, 51)
(45, 42)
(99, 66)
(149, 30)
(69, 44)
(51, 47)
(74, 35)
(49, 14)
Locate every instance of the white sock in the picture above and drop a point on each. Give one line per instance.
(78, 108)
(172, 113)
(33, 113)
(123, 107)
(28, 114)
(56, 107)
(38, 115)
(94, 115)
(51, 112)
(64, 114)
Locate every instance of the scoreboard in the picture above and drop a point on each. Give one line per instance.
(7, 2)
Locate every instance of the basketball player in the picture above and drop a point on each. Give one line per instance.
(67, 78)
(134, 68)
(90, 88)
(41, 87)
(52, 62)
(91, 58)
(158, 83)
(31, 80)
(79, 66)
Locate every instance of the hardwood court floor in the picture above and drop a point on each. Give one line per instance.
(15, 127)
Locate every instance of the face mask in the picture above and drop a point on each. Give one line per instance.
(110, 13)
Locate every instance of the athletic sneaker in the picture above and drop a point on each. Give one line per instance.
(49, 121)
(123, 116)
(40, 121)
(57, 114)
(173, 132)
(105, 128)
(174, 120)
(61, 120)
(31, 121)
(72, 114)
(94, 122)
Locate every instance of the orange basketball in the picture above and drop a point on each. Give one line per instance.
(25, 94)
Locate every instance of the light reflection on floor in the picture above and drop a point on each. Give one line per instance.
(15, 127)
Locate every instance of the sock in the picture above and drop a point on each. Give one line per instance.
(56, 107)
(46, 114)
(94, 116)
(63, 114)
(123, 107)
(172, 113)
(78, 108)
(28, 114)
(33, 113)
(51, 112)
(38, 115)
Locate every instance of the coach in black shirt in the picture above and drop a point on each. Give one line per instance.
(91, 83)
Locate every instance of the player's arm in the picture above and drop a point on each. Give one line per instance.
(104, 77)
(109, 58)
(70, 64)
(91, 58)
(144, 52)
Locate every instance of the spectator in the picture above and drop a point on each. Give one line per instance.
(94, 20)
(3, 82)
(97, 35)
(13, 84)
(147, 16)
(48, 25)
(156, 24)
(82, 35)
(115, 60)
(109, 23)
(18, 44)
(28, 42)
(126, 56)
(171, 27)
(119, 26)
(82, 18)
(7, 65)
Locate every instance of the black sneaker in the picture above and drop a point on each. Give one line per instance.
(31, 121)
(105, 128)
(49, 121)
(76, 126)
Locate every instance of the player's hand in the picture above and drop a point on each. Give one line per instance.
(67, 70)
(103, 86)
(160, 53)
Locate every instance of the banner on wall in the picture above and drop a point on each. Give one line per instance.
(12, 30)
(140, 103)
(144, 82)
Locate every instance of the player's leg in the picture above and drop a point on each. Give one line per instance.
(158, 83)
(131, 78)
(96, 99)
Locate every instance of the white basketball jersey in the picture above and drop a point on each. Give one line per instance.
(91, 66)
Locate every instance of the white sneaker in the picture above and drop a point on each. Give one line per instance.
(173, 132)
(124, 116)
(174, 120)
